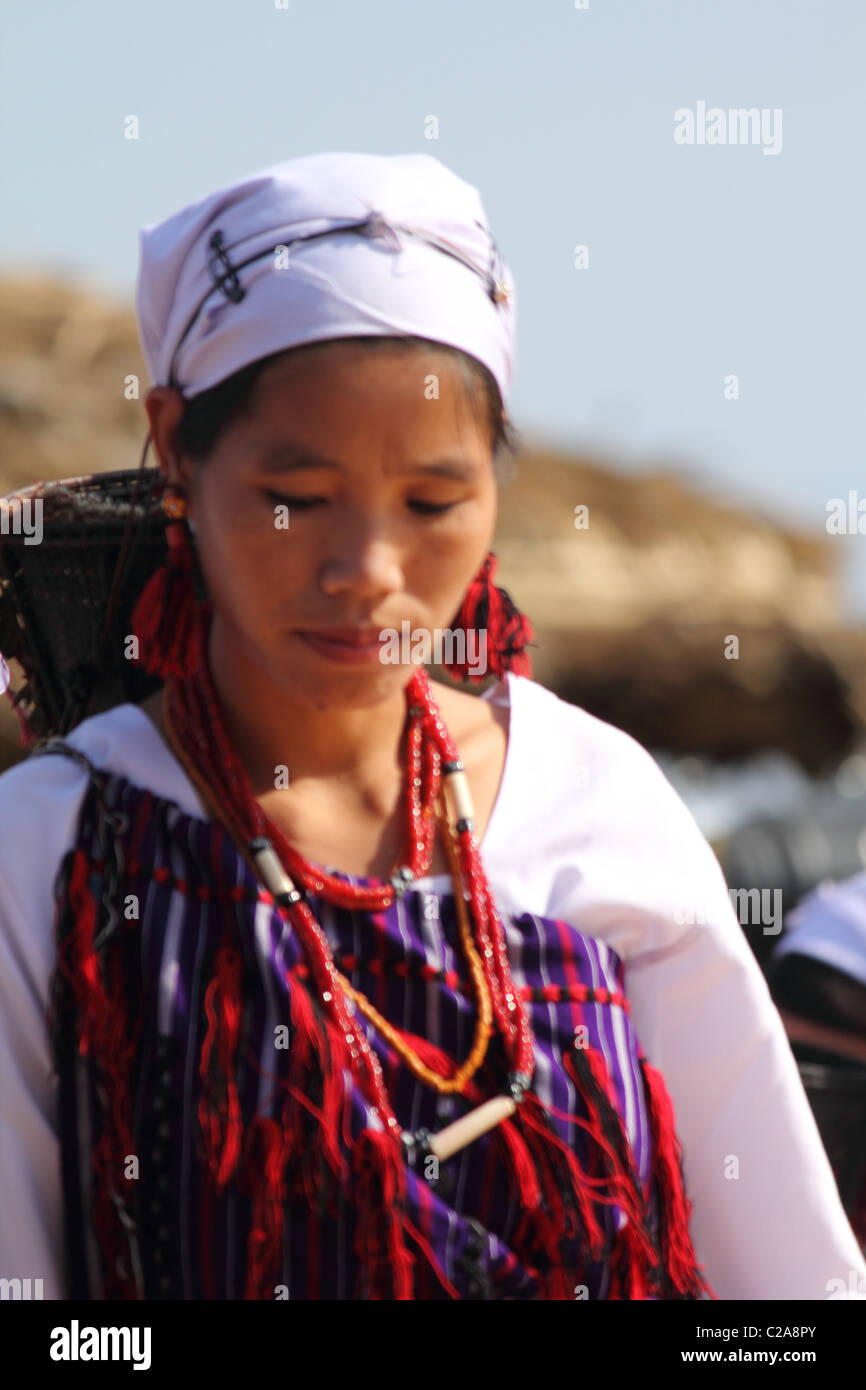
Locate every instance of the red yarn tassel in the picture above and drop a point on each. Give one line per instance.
(318, 1055)
(222, 1125)
(77, 959)
(588, 1070)
(163, 619)
(544, 1142)
(265, 1182)
(628, 1266)
(380, 1181)
(677, 1249)
(508, 1136)
(106, 1037)
(486, 607)
(293, 1152)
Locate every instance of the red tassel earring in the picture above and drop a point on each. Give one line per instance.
(163, 619)
(486, 607)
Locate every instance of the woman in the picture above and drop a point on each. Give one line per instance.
(313, 908)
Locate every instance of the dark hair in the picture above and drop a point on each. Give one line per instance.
(207, 414)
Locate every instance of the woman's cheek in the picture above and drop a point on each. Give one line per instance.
(440, 581)
(458, 542)
(231, 549)
(251, 528)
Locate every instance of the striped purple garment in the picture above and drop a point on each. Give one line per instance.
(187, 1240)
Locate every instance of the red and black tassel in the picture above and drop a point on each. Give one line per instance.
(486, 607)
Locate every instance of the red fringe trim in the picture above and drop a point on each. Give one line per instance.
(559, 1200)
(675, 1207)
(219, 1106)
(264, 1171)
(587, 1068)
(627, 1266)
(380, 1187)
(105, 1036)
(301, 1147)
(318, 1057)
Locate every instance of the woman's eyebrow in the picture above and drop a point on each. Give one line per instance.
(289, 458)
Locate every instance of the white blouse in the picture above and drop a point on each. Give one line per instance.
(586, 828)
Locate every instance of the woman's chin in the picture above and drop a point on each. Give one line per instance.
(311, 677)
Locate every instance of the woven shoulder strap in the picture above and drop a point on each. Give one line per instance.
(57, 744)
(108, 822)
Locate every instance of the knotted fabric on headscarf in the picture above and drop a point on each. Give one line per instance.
(324, 246)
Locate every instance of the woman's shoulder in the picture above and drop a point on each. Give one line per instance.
(590, 815)
(578, 749)
(538, 709)
(567, 752)
(46, 789)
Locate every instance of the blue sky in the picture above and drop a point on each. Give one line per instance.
(704, 260)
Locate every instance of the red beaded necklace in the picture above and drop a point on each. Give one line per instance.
(196, 728)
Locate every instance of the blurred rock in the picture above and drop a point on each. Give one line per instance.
(636, 608)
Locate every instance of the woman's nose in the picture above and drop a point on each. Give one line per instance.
(361, 560)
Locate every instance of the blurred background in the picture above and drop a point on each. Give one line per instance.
(682, 522)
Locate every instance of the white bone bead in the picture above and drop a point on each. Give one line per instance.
(457, 784)
(485, 1117)
(273, 874)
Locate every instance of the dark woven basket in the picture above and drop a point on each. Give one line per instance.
(65, 607)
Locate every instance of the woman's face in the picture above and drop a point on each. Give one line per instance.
(343, 497)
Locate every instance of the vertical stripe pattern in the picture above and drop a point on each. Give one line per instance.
(184, 891)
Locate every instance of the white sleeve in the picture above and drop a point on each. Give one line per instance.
(39, 806)
(767, 1219)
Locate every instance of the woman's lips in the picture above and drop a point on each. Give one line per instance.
(345, 644)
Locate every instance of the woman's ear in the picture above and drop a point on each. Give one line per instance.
(165, 407)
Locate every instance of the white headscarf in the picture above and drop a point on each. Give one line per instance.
(422, 263)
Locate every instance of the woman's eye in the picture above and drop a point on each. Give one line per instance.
(300, 504)
(432, 508)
